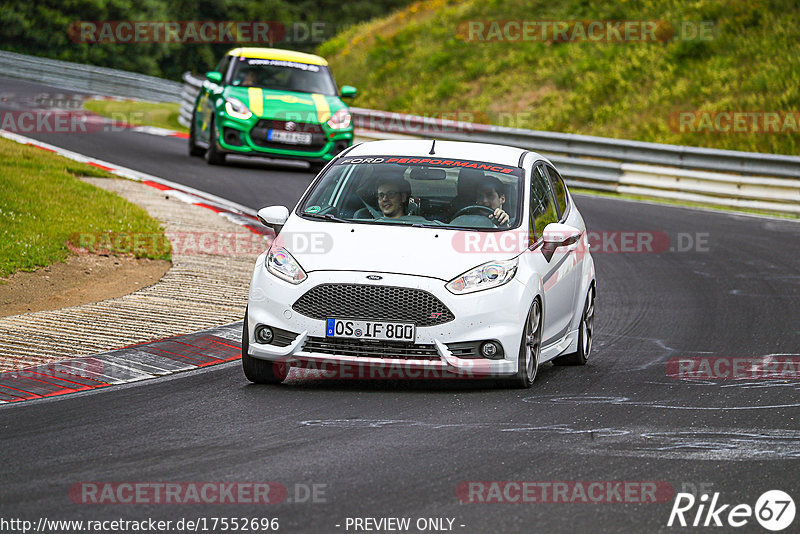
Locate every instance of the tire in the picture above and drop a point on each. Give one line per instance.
(585, 335)
(194, 150)
(213, 155)
(260, 371)
(530, 348)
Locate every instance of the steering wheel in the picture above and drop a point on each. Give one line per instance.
(474, 208)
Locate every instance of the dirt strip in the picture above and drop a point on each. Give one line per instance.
(212, 261)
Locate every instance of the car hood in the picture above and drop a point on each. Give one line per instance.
(286, 105)
(383, 248)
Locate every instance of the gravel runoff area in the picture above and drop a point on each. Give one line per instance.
(212, 261)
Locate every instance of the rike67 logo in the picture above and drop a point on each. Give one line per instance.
(774, 510)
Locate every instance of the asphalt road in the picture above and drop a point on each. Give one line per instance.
(401, 448)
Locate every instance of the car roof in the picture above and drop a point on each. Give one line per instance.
(279, 54)
(504, 155)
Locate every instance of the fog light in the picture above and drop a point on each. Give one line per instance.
(489, 349)
(232, 137)
(264, 334)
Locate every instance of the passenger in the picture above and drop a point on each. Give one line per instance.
(492, 194)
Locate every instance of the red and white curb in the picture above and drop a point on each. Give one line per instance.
(160, 132)
(236, 213)
(130, 364)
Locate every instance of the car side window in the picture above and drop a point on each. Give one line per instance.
(222, 66)
(560, 190)
(543, 208)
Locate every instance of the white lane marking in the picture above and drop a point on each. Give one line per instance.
(625, 401)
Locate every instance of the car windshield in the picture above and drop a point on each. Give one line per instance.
(431, 191)
(282, 75)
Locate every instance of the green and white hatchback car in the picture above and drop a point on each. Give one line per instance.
(272, 103)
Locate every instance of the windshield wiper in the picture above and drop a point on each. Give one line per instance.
(325, 216)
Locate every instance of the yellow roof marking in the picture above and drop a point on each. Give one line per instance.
(279, 54)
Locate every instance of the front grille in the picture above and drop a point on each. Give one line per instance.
(373, 303)
(362, 349)
(308, 127)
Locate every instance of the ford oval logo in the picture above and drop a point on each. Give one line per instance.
(374, 277)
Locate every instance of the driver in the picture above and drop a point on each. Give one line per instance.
(250, 79)
(492, 194)
(393, 194)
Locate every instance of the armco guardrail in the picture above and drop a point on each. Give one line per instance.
(574, 145)
(87, 78)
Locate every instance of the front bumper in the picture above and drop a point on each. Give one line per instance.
(497, 314)
(237, 137)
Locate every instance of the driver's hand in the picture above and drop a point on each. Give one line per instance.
(500, 216)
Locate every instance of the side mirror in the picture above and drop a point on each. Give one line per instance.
(560, 235)
(348, 91)
(214, 76)
(274, 217)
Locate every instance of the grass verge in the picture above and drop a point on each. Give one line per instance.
(44, 206)
(159, 114)
(747, 61)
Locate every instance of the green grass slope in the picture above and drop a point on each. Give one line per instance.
(45, 209)
(419, 60)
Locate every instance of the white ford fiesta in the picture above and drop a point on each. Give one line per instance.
(430, 259)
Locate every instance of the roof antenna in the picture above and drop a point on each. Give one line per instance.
(433, 145)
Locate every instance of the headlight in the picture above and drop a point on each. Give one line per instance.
(486, 276)
(280, 263)
(340, 120)
(236, 109)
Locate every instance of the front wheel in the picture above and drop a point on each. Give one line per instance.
(213, 155)
(530, 348)
(585, 334)
(260, 371)
(194, 150)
